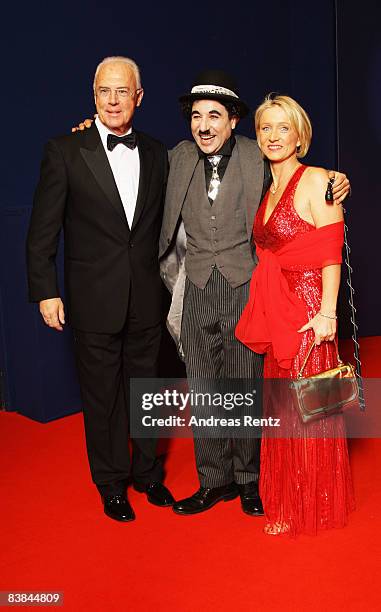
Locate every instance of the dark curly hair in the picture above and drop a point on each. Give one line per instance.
(233, 109)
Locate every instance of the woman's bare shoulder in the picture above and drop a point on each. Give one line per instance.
(316, 177)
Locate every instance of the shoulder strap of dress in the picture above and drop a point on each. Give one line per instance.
(293, 182)
(297, 176)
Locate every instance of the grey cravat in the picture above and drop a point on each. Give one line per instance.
(215, 180)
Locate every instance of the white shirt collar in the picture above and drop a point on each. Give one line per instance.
(104, 131)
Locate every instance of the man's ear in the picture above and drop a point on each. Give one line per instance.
(234, 122)
(140, 97)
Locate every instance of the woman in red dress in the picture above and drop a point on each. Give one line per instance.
(305, 481)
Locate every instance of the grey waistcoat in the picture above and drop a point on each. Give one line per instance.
(216, 234)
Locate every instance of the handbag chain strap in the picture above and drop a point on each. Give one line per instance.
(356, 351)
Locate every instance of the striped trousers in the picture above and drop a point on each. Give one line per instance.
(212, 352)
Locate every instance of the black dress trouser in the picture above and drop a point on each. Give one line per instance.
(105, 364)
(212, 353)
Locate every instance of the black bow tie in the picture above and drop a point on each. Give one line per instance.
(129, 141)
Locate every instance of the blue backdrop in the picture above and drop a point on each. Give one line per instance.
(50, 51)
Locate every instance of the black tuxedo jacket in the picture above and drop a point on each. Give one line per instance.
(104, 258)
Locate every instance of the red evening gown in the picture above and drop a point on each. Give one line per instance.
(305, 481)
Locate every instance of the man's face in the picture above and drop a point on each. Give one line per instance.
(210, 125)
(116, 96)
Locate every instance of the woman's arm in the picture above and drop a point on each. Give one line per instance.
(324, 323)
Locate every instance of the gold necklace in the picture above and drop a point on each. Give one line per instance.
(273, 191)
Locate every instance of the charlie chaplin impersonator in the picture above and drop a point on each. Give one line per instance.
(214, 189)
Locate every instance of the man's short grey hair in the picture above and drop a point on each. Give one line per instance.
(124, 60)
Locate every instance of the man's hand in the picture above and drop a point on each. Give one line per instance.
(53, 313)
(85, 124)
(341, 186)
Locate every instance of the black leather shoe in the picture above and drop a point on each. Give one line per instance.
(250, 500)
(118, 508)
(205, 498)
(157, 493)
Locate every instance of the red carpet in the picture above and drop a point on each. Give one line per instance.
(56, 537)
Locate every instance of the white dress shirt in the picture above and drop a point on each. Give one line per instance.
(125, 166)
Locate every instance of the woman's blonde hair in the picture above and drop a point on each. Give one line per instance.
(298, 117)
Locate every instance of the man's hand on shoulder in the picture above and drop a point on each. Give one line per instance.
(341, 186)
(316, 186)
(82, 126)
(53, 313)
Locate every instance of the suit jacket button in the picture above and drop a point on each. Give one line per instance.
(131, 245)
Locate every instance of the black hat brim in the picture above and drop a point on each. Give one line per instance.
(243, 109)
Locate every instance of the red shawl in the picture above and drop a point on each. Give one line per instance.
(274, 314)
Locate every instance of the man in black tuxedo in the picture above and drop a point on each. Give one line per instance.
(105, 186)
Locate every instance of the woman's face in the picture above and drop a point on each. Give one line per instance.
(277, 138)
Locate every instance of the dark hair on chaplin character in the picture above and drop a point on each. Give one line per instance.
(233, 109)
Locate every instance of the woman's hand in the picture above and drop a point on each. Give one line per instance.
(324, 328)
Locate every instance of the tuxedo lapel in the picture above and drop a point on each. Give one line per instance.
(146, 161)
(96, 159)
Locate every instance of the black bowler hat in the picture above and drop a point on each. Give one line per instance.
(216, 85)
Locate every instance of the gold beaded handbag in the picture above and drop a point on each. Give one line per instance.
(326, 393)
